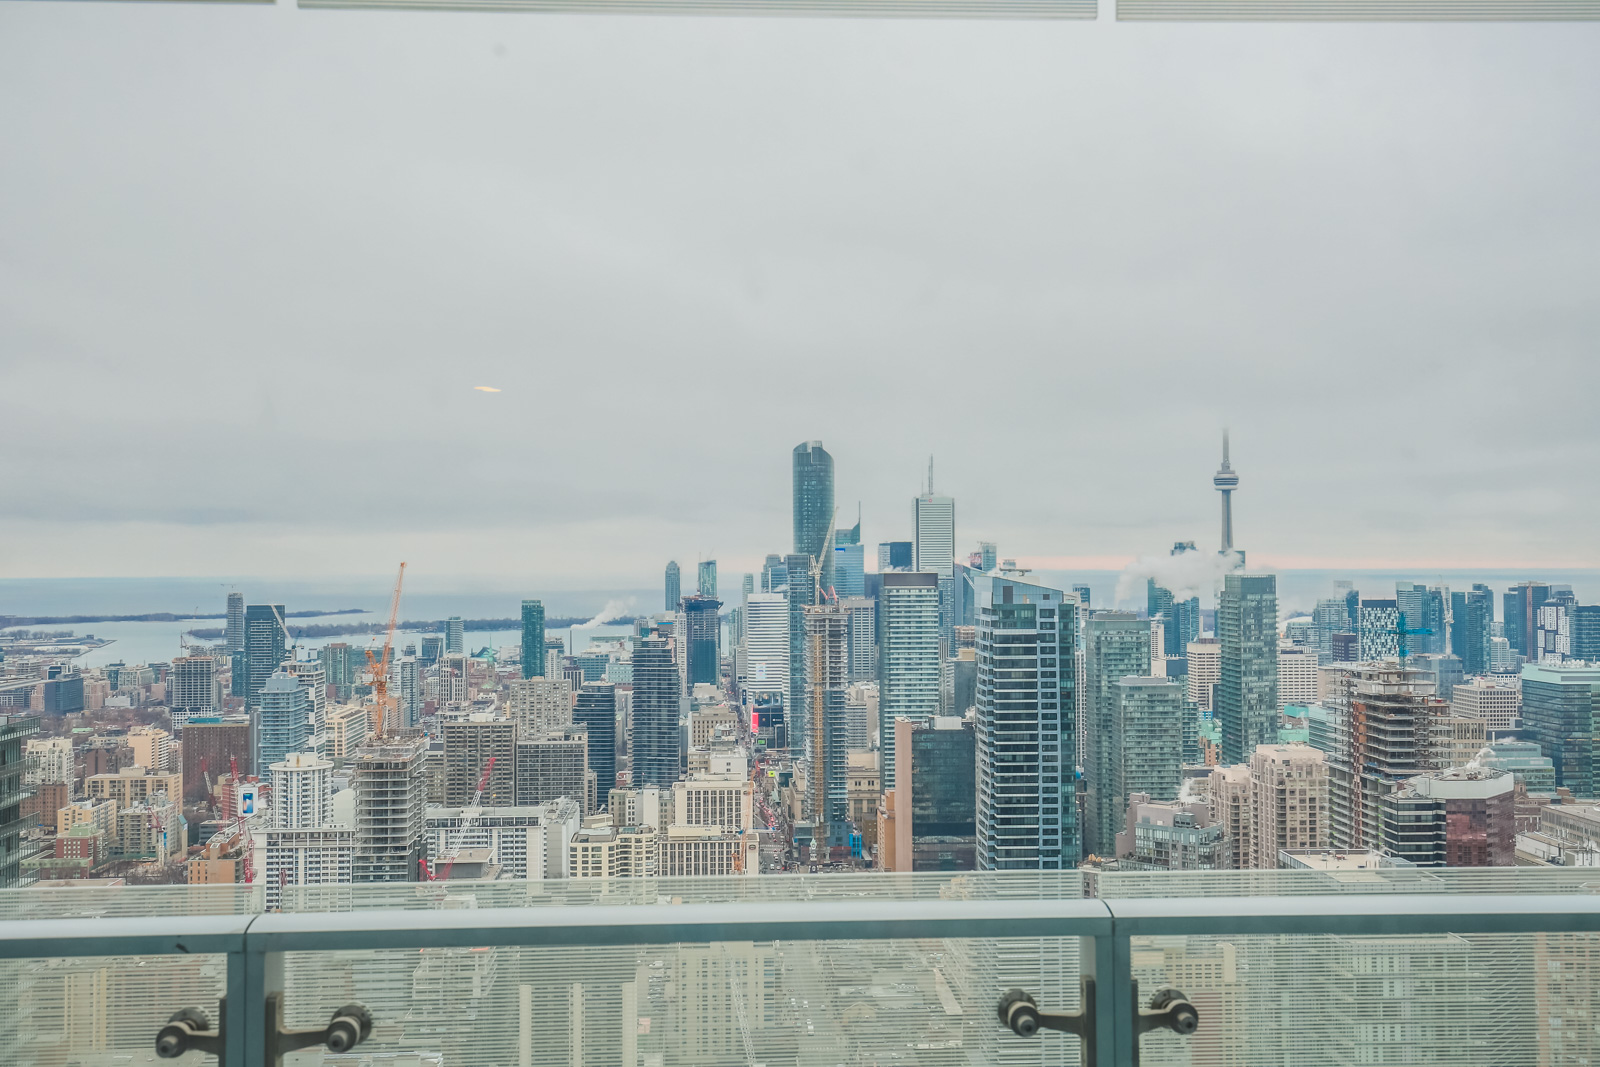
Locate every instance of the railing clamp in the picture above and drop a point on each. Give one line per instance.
(1169, 1010)
(351, 1025)
(190, 1028)
(1020, 1013)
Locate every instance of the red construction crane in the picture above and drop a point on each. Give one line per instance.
(380, 667)
(239, 822)
(461, 836)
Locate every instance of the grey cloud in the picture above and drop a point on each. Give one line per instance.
(283, 246)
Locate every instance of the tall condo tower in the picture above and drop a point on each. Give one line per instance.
(233, 636)
(533, 639)
(674, 587)
(813, 504)
(1226, 481)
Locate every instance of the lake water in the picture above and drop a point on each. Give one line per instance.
(143, 642)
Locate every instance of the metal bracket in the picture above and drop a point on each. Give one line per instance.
(1020, 1013)
(351, 1025)
(1169, 1010)
(190, 1028)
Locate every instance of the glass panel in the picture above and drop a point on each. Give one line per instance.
(1358, 10)
(910, 1002)
(1371, 879)
(1493, 1000)
(100, 1011)
(133, 901)
(568, 892)
(1043, 9)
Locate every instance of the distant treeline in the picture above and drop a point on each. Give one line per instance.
(7, 621)
(353, 629)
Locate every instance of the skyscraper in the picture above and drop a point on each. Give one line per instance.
(934, 548)
(391, 798)
(1226, 482)
(655, 739)
(863, 637)
(849, 570)
(934, 544)
(908, 661)
(1025, 726)
(264, 648)
(192, 690)
(774, 574)
(706, 580)
(766, 643)
(533, 639)
(1247, 683)
(408, 689)
(801, 592)
(1471, 622)
(1158, 602)
(1148, 732)
(813, 504)
(455, 636)
(674, 586)
(1379, 633)
(596, 711)
(826, 746)
(285, 720)
(894, 556)
(987, 559)
(233, 635)
(1116, 646)
(1586, 632)
(702, 629)
(1522, 604)
(1561, 711)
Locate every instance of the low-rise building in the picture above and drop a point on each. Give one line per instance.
(1172, 836)
(530, 841)
(605, 851)
(1464, 817)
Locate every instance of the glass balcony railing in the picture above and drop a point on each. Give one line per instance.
(1281, 968)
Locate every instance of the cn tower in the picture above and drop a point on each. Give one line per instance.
(1226, 482)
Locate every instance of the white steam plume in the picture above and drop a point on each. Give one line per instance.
(614, 609)
(1188, 574)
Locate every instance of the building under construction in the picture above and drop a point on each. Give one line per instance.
(391, 805)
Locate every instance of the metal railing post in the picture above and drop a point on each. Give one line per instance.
(1097, 968)
(257, 1018)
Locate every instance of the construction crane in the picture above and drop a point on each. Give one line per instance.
(240, 823)
(1401, 632)
(816, 562)
(380, 666)
(468, 817)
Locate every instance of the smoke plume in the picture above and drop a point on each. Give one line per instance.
(614, 609)
(1188, 574)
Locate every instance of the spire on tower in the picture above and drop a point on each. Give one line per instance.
(930, 475)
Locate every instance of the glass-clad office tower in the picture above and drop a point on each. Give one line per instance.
(1116, 646)
(1026, 727)
(1247, 682)
(813, 505)
(674, 586)
(533, 639)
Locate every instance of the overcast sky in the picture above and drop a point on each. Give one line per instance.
(254, 261)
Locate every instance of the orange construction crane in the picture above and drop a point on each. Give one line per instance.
(380, 667)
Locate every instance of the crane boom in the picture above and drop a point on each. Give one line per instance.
(467, 819)
(380, 667)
